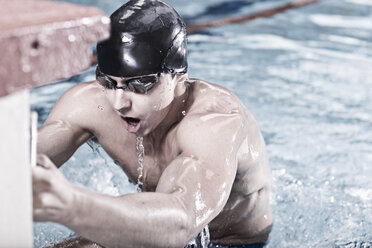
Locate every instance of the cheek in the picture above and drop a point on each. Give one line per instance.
(163, 98)
(159, 108)
(109, 95)
(147, 107)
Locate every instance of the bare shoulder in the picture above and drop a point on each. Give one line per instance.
(215, 116)
(209, 97)
(218, 120)
(212, 100)
(80, 95)
(212, 103)
(80, 104)
(70, 122)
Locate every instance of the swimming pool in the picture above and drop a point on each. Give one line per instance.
(305, 75)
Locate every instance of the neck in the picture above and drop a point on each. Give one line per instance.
(178, 109)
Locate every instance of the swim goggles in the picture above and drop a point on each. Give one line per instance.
(139, 85)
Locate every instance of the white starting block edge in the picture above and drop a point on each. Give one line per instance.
(15, 171)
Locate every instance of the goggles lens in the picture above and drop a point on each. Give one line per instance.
(139, 85)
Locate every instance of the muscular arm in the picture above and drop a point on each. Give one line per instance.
(191, 192)
(63, 131)
(59, 139)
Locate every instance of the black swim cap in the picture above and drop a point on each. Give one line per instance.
(147, 36)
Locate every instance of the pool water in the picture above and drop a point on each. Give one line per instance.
(306, 76)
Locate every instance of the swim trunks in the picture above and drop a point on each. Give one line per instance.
(258, 245)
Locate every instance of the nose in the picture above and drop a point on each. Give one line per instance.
(122, 101)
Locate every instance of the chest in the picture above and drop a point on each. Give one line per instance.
(144, 160)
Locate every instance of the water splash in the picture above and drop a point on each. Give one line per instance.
(140, 152)
(200, 241)
(205, 237)
(94, 144)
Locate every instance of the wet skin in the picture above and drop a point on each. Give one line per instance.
(208, 166)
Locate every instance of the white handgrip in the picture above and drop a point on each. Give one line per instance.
(33, 137)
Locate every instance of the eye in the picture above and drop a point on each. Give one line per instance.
(146, 80)
(134, 81)
(106, 82)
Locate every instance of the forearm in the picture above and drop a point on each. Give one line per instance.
(134, 220)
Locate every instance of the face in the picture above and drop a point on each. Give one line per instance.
(142, 102)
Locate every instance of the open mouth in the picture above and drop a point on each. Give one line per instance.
(132, 121)
(132, 124)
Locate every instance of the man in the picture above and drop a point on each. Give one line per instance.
(204, 160)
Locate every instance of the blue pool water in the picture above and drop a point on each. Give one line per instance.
(306, 76)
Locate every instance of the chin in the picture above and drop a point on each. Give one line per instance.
(148, 128)
(143, 132)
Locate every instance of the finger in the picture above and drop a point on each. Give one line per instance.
(39, 173)
(42, 200)
(39, 214)
(44, 211)
(44, 161)
(36, 202)
(41, 179)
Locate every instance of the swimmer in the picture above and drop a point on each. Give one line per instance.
(205, 160)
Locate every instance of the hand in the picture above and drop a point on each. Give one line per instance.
(53, 194)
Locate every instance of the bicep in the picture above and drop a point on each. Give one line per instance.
(202, 189)
(203, 174)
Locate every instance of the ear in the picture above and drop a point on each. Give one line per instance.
(180, 87)
(181, 78)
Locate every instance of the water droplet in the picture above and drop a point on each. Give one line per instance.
(184, 113)
(202, 240)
